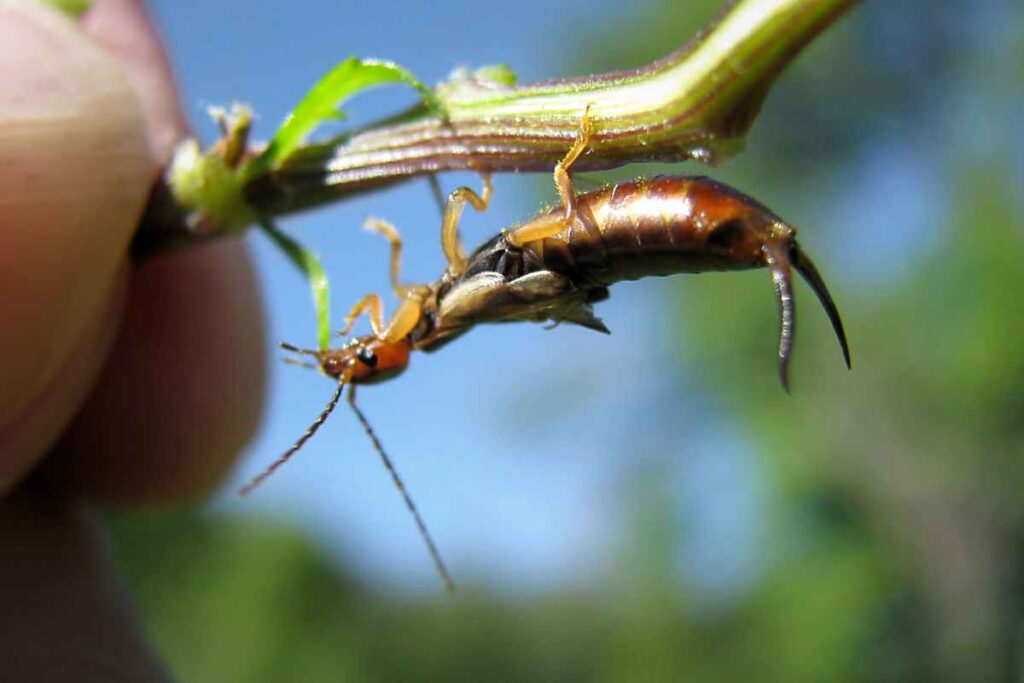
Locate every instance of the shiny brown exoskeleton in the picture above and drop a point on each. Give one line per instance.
(556, 266)
(560, 263)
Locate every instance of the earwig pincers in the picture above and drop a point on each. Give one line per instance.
(555, 266)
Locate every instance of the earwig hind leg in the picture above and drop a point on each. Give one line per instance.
(778, 262)
(539, 229)
(370, 303)
(563, 181)
(435, 554)
(390, 232)
(451, 245)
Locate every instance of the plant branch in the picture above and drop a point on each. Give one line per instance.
(697, 103)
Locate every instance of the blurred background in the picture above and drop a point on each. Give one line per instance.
(651, 505)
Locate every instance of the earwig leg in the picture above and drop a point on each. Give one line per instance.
(450, 242)
(535, 230)
(390, 232)
(371, 303)
(403, 321)
(778, 263)
(409, 504)
(317, 423)
(563, 182)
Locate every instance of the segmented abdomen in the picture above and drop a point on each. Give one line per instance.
(643, 228)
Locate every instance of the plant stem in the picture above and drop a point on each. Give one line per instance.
(696, 103)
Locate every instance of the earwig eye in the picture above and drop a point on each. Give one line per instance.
(367, 357)
(724, 235)
(331, 366)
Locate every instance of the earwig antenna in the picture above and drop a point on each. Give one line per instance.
(300, 363)
(777, 262)
(297, 349)
(805, 266)
(248, 488)
(434, 553)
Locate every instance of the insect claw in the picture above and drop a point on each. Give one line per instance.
(778, 262)
(805, 266)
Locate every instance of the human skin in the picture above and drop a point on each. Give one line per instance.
(120, 383)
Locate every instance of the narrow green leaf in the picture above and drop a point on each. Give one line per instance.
(308, 263)
(72, 8)
(322, 103)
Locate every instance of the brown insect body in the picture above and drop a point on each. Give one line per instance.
(628, 231)
(555, 266)
(662, 226)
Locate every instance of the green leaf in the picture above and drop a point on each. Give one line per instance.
(72, 8)
(308, 263)
(322, 103)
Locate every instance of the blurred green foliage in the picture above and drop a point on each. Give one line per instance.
(896, 517)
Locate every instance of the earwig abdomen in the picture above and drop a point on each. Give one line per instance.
(659, 226)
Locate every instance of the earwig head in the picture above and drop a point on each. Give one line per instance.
(363, 360)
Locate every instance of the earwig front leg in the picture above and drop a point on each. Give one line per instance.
(563, 182)
(390, 232)
(404, 321)
(370, 303)
(450, 243)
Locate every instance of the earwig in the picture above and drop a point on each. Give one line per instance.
(554, 267)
